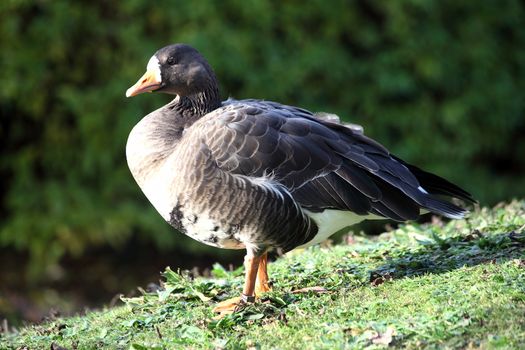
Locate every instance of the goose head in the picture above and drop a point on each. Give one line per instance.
(177, 69)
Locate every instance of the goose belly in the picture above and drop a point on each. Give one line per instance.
(203, 227)
(196, 223)
(330, 221)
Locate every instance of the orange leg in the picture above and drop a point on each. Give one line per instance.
(251, 265)
(262, 284)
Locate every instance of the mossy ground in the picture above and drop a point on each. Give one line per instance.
(459, 284)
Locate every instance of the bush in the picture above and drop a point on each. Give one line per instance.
(438, 82)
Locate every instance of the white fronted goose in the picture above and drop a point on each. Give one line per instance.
(257, 175)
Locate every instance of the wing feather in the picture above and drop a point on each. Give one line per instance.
(323, 164)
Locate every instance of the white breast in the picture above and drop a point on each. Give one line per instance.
(150, 157)
(159, 191)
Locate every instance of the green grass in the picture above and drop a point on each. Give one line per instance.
(459, 284)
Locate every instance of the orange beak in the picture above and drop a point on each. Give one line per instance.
(147, 83)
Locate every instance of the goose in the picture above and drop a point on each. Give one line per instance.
(260, 175)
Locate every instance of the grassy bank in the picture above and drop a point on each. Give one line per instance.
(459, 284)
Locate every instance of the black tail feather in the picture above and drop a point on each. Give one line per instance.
(437, 185)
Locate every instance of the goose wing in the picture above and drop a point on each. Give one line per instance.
(323, 164)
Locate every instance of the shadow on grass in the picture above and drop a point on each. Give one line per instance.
(444, 255)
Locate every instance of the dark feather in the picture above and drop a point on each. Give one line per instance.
(321, 163)
(359, 179)
(437, 185)
(331, 192)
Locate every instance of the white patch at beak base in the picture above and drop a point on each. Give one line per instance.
(154, 67)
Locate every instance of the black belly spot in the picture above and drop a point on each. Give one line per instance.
(215, 228)
(176, 217)
(213, 239)
(233, 229)
(195, 218)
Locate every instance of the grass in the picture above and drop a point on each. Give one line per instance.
(454, 285)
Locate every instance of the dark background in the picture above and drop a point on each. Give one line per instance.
(440, 83)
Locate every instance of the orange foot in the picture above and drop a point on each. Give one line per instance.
(227, 307)
(262, 287)
(255, 282)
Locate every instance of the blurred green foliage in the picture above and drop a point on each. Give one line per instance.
(439, 82)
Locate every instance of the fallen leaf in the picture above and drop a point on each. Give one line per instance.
(377, 279)
(103, 333)
(315, 289)
(55, 346)
(385, 338)
(201, 296)
(164, 294)
(519, 262)
(255, 317)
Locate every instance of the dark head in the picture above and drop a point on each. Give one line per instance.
(176, 69)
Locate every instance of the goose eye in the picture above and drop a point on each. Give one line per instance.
(171, 60)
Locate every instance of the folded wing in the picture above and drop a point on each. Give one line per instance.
(322, 163)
